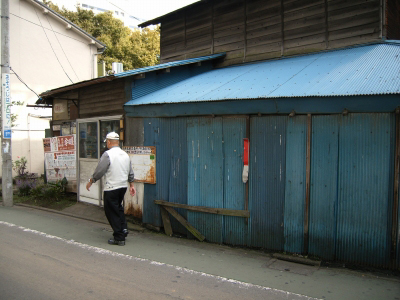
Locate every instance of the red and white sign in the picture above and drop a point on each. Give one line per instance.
(60, 157)
(246, 149)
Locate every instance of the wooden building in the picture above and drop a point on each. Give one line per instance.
(251, 30)
(312, 84)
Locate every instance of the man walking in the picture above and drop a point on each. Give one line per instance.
(117, 168)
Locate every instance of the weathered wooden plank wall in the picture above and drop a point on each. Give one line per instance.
(250, 30)
(105, 99)
(392, 16)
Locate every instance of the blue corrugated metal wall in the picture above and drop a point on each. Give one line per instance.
(364, 188)
(205, 175)
(178, 177)
(151, 213)
(398, 235)
(169, 136)
(323, 187)
(351, 191)
(295, 186)
(235, 228)
(267, 181)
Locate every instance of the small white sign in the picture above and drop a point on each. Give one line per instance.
(6, 105)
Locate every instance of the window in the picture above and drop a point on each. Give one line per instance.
(122, 14)
(105, 128)
(88, 140)
(116, 13)
(84, 5)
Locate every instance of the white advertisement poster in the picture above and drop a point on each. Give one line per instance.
(60, 157)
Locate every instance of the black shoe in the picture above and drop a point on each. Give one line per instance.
(125, 232)
(115, 242)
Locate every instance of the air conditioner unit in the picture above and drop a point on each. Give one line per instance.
(117, 67)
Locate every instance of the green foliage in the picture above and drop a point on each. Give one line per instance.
(14, 117)
(19, 166)
(135, 49)
(49, 191)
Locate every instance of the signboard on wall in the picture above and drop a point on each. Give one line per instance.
(6, 106)
(143, 163)
(60, 110)
(60, 157)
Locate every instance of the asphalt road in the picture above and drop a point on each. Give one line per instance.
(45, 255)
(35, 265)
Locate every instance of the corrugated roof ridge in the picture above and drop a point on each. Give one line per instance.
(339, 87)
(170, 64)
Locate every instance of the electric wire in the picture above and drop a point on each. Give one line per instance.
(20, 79)
(54, 31)
(52, 46)
(62, 48)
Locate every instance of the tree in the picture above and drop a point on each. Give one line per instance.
(135, 49)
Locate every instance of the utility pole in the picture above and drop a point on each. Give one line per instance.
(7, 186)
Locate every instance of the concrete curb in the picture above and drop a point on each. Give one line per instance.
(296, 259)
(131, 226)
(59, 212)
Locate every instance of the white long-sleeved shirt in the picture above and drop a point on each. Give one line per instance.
(116, 166)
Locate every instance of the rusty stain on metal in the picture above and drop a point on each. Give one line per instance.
(133, 210)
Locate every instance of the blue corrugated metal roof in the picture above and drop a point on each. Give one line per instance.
(366, 70)
(169, 65)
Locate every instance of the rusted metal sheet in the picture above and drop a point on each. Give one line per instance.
(133, 210)
(133, 206)
(143, 162)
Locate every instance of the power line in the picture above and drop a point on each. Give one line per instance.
(51, 45)
(20, 79)
(41, 26)
(62, 48)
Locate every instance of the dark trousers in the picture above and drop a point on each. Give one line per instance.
(115, 212)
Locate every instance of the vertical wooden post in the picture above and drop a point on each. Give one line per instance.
(282, 29)
(326, 25)
(212, 28)
(166, 221)
(395, 207)
(246, 203)
(308, 175)
(245, 30)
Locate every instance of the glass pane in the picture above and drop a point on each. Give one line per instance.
(88, 140)
(105, 128)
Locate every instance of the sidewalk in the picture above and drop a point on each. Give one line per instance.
(87, 224)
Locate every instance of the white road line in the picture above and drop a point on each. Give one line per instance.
(240, 284)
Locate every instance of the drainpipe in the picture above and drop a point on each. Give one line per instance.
(95, 61)
(28, 121)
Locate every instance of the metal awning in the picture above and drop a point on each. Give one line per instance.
(134, 72)
(366, 70)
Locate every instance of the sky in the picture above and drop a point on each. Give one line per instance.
(143, 9)
(150, 9)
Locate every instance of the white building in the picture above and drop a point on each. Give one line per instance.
(46, 51)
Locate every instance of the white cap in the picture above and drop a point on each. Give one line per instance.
(112, 136)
